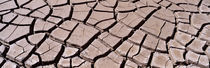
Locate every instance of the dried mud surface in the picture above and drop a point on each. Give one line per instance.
(104, 33)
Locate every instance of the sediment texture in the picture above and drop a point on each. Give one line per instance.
(105, 33)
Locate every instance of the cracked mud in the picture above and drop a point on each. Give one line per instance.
(104, 33)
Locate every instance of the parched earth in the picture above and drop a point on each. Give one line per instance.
(105, 33)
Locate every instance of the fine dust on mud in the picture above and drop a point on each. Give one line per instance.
(104, 33)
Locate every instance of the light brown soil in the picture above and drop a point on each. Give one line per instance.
(105, 33)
